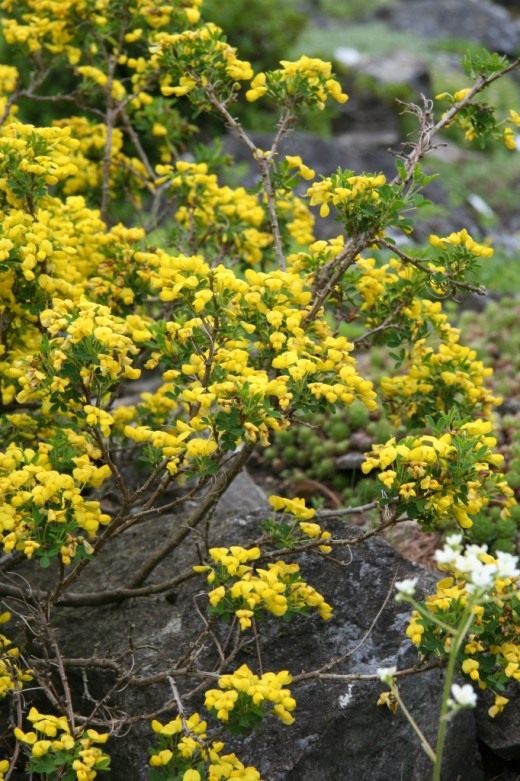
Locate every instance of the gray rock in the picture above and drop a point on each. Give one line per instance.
(501, 734)
(361, 150)
(242, 496)
(350, 461)
(474, 20)
(340, 734)
(400, 67)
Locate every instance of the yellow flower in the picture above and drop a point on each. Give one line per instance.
(200, 448)
(498, 706)
(294, 506)
(191, 775)
(509, 139)
(471, 668)
(387, 478)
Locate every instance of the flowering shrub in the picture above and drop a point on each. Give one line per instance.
(53, 747)
(472, 621)
(124, 257)
(491, 653)
(182, 750)
(441, 479)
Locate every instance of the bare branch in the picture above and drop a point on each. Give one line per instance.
(429, 128)
(222, 481)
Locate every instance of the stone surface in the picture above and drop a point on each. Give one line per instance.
(363, 151)
(340, 734)
(473, 20)
(399, 67)
(501, 734)
(243, 496)
(350, 461)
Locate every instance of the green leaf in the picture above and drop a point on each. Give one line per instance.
(481, 62)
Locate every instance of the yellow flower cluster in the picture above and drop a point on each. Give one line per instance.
(246, 591)
(88, 159)
(465, 241)
(241, 325)
(53, 254)
(179, 746)
(419, 472)
(510, 132)
(317, 253)
(393, 287)
(195, 58)
(158, 14)
(8, 82)
(491, 654)
(298, 219)
(350, 192)
(42, 24)
(8, 78)
(243, 683)
(296, 507)
(79, 750)
(12, 674)
(41, 508)
(295, 161)
(440, 378)
(72, 324)
(471, 128)
(42, 154)
(227, 218)
(304, 82)
(58, 27)
(374, 281)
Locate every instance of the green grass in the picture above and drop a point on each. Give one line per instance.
(501, 274)
(373, 39)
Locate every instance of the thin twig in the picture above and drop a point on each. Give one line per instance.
(429, 128)
(222, 481)
(264, 161)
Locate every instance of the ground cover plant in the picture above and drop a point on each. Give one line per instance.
(124, 258)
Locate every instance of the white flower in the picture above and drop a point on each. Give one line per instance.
(482, 576)
(507, 565)
(446, 556)
(386, 674)
(463, 696)
(471, 558)
(454, 541)
(406, 588)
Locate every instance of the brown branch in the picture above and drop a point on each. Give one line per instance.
(362, 676)
(92, 598)
(17, 746)
(419, 265)
(69, 708)
(332, 271)
(387, 324)
(429, 128)
(222, 481)
(264, 161)
(138, 146)
(361, 508)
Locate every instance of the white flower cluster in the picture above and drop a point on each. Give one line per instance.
(471, 562)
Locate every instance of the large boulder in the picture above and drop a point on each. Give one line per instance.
(340, 734)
